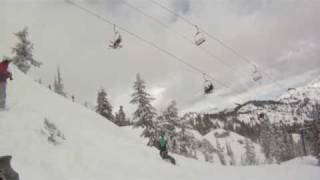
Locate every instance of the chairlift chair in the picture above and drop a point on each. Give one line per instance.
(208, 86)
(116, 43)
(256, 75)
(208, 89)
(198, 37)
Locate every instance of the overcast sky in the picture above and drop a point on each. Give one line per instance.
(281, 36)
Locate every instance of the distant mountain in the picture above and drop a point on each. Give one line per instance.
(291, 109)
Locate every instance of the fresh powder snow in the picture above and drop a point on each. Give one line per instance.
(87, 146)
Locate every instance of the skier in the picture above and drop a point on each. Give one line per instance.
(163, 150)
(4, 75)
(117, 43)
(163, 146)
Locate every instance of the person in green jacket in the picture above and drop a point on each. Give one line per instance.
(164, 151)
(163, 146)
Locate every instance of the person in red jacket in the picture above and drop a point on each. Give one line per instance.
(4, 75)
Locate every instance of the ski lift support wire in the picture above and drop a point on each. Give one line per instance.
(223, 44)
(183, 37)
(147, 42)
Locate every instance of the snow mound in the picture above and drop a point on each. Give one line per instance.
(307, 160)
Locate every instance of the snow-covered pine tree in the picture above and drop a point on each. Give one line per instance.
(297, 148)
(207, 150)
(316, 132)
(120, 118)
(312, 137)
(277, 145)
(171, 114)
(23, 57)
(202, 124)
(103, 107)
(290, 146)
(220, 153)
(282, 144)
(231, 155)
(266, 138)
(250, 154)
(145, 113)
(317, 153)
(285, 146)
(58, 85)
(185, 143)
(168, 121)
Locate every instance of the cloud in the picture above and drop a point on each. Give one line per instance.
(108, 5)
(247, 7)
(181, 6)
(301, 50)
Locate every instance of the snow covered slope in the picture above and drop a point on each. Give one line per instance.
(295, 106)
(86, 146)
(312, 91)
(236, 142)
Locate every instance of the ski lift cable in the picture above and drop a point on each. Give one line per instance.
(204, 31)
(223, 44)
(148, 42)
(206, 51)
(173, 12)
(245, 59)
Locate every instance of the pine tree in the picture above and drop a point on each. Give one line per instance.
(315, 135)
(285, 145)
(290, 146)
(120, 118)
(220, 153)
(58, 85)
(317, 141)
(267, 138)
(230, 154)
(184, 144)
(312, 137)
(171, 113)
(23, 57)
(145, 113)
(103, 107)
(277, 145)
(282, 145)
(202, 124)
(250, 155)
(207, 150)
(168, 120)
(297, 148)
